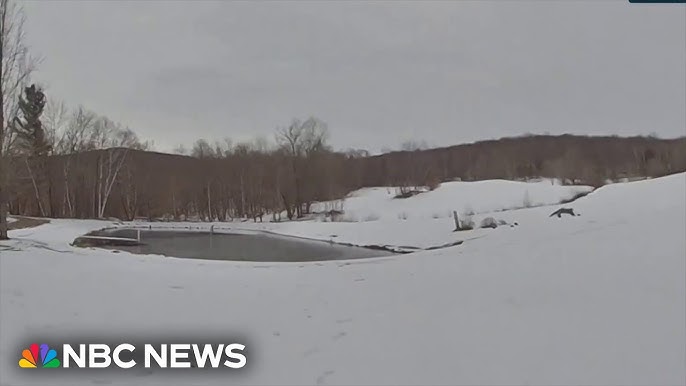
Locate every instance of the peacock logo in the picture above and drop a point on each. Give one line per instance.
(48, 357)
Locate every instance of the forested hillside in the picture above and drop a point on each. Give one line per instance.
(225, 181)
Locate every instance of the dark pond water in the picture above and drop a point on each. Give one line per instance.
(240, 247)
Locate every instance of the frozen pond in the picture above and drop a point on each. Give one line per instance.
(258, 247)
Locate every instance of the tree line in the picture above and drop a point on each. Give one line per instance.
(80, 165)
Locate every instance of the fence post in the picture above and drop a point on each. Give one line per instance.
(138, 235)
(457, 221)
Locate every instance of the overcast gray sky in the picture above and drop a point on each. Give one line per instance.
(378, 73)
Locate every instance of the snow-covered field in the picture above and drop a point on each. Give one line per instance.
(372, 216)
(594, 299)
(465, 197)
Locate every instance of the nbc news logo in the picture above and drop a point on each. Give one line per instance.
(99, 355)
(30, 359)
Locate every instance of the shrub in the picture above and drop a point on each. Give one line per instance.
(489, 222)
(433, 183)
(466, 223)
(408, 193)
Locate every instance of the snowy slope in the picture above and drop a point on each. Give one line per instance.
(594, 299)
(373, 217)
(464, 197)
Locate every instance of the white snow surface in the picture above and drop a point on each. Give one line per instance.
(464, 197)
(594, 299)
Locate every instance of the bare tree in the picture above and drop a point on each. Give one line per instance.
(77, 134)
(109, 166)
(180, 149)
(301, 140)
(202, 149)
(116, 142)
(70, 143)
(55, 121)
(412, 145)
(16, 65)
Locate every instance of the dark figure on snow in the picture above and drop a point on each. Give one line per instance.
(562, 211)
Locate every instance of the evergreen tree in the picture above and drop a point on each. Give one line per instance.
(33, 144)
(31, 139)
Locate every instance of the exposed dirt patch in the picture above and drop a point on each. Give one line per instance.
(26, 222)
(576, 197)
(409, 193)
